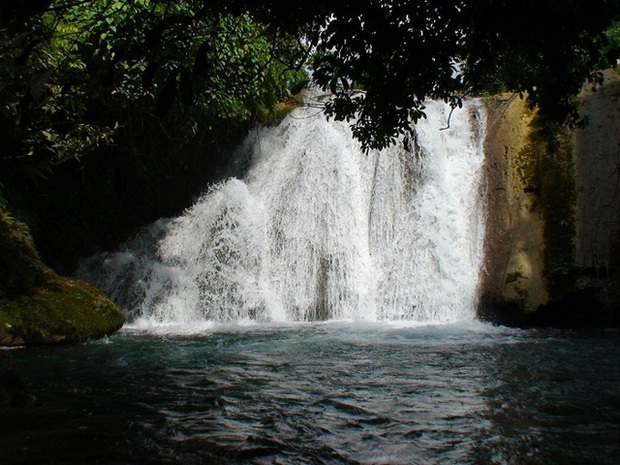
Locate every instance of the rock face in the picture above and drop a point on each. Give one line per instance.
(553, 228)
(514, 265)
(597, 164)
(39, 307)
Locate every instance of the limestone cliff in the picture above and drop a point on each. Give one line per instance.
(597, 209)
(597, 165)
(553, 229)
(513, 270)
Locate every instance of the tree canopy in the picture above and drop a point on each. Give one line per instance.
(382, 59)
(74, 73)
(144, 87)
(71, 67)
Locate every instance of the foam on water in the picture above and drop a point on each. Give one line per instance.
(318, 230)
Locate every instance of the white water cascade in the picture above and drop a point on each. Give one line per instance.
(318, 229)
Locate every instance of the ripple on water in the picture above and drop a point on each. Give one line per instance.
(324, 393)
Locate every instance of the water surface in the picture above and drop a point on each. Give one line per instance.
(322, 393)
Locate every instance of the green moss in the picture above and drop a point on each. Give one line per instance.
(39, 307)
(21, 268)
(62, 310)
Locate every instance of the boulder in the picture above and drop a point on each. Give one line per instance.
(39, 307)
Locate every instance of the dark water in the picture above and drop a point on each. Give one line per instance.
(322, 393)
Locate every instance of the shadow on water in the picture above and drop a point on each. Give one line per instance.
(553, 398)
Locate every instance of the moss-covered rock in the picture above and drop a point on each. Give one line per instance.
(61, 310)
(39, 307)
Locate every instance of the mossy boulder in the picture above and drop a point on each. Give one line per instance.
(39, 307)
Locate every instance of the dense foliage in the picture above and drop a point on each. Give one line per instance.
(151, 91)
(73, 61)
(382, 59)
(73, 75)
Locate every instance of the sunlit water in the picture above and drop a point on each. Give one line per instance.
(314, 393)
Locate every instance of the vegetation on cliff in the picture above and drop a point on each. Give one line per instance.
(67, 62)
(81, 73)
(150, 93)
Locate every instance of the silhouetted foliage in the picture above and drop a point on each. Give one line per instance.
(380, 59)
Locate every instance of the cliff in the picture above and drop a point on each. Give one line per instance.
(553, 228)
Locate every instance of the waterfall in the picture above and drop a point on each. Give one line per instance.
(316, 229)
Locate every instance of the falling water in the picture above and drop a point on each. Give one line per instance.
(317, 229)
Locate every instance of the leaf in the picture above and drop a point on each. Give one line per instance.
(153, 37)
(22, 58)
(149, 74)
(38, 81)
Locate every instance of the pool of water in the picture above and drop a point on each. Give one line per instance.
(341, 393)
